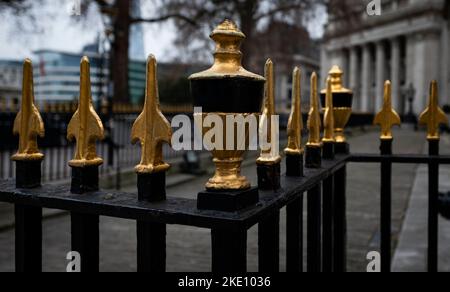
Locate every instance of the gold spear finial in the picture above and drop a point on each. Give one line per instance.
(388, 117)
(85, 127)
(314, 123)
(28, 124)
(151, 128)
(328, 118)
(433, 116)
(269, 156)
(295, 125)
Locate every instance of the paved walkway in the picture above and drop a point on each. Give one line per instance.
(411, 254)
(189, 248)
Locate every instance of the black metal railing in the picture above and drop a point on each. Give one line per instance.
(325, 190)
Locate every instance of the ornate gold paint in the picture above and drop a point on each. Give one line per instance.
(295, 125)
(227, 65)
(388, 117)
(85, 127)
(328, 117)
(314, 123)
(272, 156)
(28, 124)
(341, 114)
(227, 57)
(433, 116)
(151, 128)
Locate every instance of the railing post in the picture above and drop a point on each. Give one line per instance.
(386, 206)
(328, 214)
(340, 221)
(151, 237)
(433, 211)
(86, 128)
(229, 249)
(28, 226)
(151, 129)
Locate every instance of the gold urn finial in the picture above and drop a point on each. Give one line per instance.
(314, 123)
(388, 117)
(295, 125)
(85, 127)
(336, 74)
(433, 116)
(151, 128)
(328, 117)
(28, 124)
(272, 155)
(227, 56)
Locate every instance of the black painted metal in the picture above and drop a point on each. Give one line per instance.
(269, 244)
(229, 249)
(85, 226)
(313, 157)
(340, 220)
(386, 206)
(294, 165)
(86, 240)
(269, 177)
(328, 150)
(227, 201)
(28, 220)
(314, 246)
(433, 208)
(28, 243)
(151, 187)
(327, 232)
(151, 247)
(294, 236)
(151, 237)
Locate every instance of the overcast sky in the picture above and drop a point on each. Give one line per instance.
(61, 33)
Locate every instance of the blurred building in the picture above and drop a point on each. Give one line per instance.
(288, 46)
(57, 76)
(136, 50)
(10, 81)
(408, 44)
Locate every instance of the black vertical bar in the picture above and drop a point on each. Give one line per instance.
(269, 244)
(85, 227)
(28, 230)
(433, 216)
(229, 250)
(151, 247)
(294, 236)
(314, 230)
(28, 225)
(386, 206)
(340, 221)
(328, 186)
(151, 237)
(85, 240)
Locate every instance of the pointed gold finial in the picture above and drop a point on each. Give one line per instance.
(28, 124)
(151, 128)
(85, 127)
(272, 155)
(295, 125)
(314, 123)
(433, 116)
(328, 117)
(388, 117)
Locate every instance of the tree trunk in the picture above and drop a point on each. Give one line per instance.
(247, 18)
(119, 58)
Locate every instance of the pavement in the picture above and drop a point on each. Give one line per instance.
(411, 253)
(189, 249)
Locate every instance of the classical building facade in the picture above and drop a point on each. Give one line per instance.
(407, 44)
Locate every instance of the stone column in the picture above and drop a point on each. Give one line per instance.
(395, 75)
(366, 82)
(353, 75)
(380, 76)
